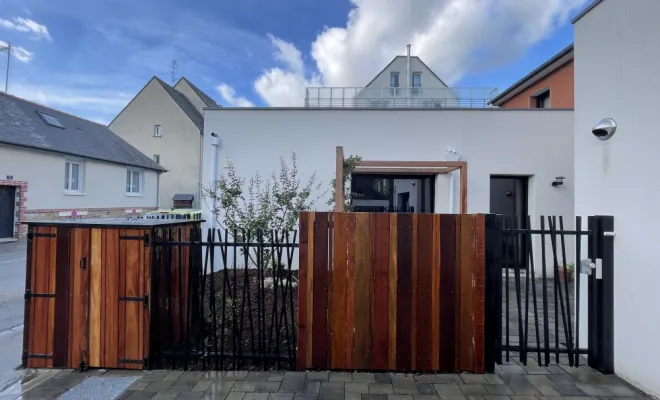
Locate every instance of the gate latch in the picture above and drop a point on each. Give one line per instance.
(144, 300)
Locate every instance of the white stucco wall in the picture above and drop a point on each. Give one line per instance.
(104, 184)
(537, 143)
(616, 75)
(183, 87)
(178, 147)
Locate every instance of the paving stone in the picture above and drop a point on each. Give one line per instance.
(562, 379)
(212, 375)
(139, 385)
(276, 377)
(173, 375)
(494, 379)
(191, 396)
(593, 390)
(331, 396)
(380, 388)
(150, 375)
(498, 390)
(568, 390)
(160, 385)
(340, 377)
(622, 390)
(404, 386)
(267, 387)
(133, 395)
(401, 377)
(312, 387)
(201, 386)
(352, 396)
(425, 397)
(356, 387)
(523, 397)
(166, 395)
(244, 386)
(235, 396)
(374, 396)
(535, 369)
(496, 397)
(383, 378)
(555, 369)
(539, 380)
(524, 389)
(363, 377)
(425, 388)
(181, 387)
(220, 388)
(280, 396)
(447, 389)
(261, 376)
(473, 379)
(546, 390)
(255, 396)
(473, 390)
(41, 393)
(295, 375)
(474, 397)
(299, 396)
(332, 388)
(235, 376)
(292, 384)
(512, 369)
(318, 376)
(399, 397)
(439, 378)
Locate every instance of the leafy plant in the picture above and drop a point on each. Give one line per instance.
(349, 166)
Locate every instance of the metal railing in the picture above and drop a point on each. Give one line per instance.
(390, 97)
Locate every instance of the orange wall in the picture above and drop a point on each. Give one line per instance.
(560, 83)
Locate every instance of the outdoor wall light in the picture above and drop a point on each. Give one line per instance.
(558, 181)
(604, 129)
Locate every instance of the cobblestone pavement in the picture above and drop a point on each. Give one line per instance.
(510, 382)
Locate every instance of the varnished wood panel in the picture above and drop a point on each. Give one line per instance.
(392, 290)
(339, 272)
(425, 266)
(363, 291)
(447, 293)
(95, 310)
(380, 303)
(404, 292)
(350, 290)
(320, 289)
(62, 284)
(302, 290)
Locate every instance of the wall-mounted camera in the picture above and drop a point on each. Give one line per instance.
(604, 129)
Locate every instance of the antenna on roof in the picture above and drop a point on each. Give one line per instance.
(6, 46)
(174, 68)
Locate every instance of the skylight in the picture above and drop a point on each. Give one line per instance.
(50, 119)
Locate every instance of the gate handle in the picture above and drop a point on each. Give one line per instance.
(83, 262)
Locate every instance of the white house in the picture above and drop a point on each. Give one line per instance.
(616, 76)
(405, 82)
(52, 163)
(166, 123)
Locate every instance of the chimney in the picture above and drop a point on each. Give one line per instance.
(408, 70)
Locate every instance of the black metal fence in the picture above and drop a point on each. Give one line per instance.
(231, 305)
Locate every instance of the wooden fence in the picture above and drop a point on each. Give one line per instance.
(391, 292)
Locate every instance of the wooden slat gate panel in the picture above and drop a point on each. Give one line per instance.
(391, 291)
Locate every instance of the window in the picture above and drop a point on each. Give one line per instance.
(156, 130)
(157, 158)
(133, 182)
(50, 120)
(394, 79)
(73, 173)
(417, 79)
(543, 100)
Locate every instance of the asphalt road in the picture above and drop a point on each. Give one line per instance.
(12, 288)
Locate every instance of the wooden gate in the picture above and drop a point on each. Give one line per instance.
(391, 292)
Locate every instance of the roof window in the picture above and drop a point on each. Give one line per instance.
(50, 119)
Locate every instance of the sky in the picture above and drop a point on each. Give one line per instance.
(90, 58)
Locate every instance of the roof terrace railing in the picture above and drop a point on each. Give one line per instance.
(396, 97)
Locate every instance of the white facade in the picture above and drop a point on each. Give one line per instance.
(178, 145)
(103, 183)
(533, 143)
(616, 75)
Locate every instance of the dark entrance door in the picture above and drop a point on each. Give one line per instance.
(7, 201)
(508, 197)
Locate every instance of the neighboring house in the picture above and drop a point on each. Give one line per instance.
(406, 82)
(52, 163)
(167, 123)
(616, 76)
(548, 86)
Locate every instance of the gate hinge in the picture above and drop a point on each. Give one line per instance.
(32, 235)
(130, 361)
(144, 300)
(28, 295)
(83, 366)
(144, 238)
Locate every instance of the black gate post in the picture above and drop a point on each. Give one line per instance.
(601, 295)
(493, 302)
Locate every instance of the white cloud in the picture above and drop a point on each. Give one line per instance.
(20, 24)
(453, 37)
(229, 96)
(85, 100)
(17, 52)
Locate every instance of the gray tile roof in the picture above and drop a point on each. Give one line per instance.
(21, 125)
(185, 104)
(205, 97)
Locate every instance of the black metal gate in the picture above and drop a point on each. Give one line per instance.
(533, 310)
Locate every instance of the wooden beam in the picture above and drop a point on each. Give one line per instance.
(339, 180)
(464, 194)
(401, 171)
(411, 164)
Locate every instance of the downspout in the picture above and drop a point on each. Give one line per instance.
(158, 190)
(214, 175)
(408, 78)
(198, 195)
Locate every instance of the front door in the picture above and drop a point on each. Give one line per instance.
(7, 202)
(508, 197)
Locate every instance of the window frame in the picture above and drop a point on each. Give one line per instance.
(68, 168)
(412, 80)
(128, 184)
(398, 79)
(55, 123)
(157, 131)
(157, 158)
(540, 97)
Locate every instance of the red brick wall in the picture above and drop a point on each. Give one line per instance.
(20, 210)
(561, 87)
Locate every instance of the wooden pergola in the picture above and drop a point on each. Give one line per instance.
(402, 168)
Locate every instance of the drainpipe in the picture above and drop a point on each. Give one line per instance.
(408, 77)
(214, 175)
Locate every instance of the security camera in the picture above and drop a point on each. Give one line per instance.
(604, 129)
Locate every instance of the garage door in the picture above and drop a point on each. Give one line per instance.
(7, 201)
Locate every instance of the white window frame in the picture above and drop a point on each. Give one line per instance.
(128, 184)
(68, 170)
(398, 79)
(412, 79)
(157, 131)
(157, 158)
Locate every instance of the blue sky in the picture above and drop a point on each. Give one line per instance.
(91, 57)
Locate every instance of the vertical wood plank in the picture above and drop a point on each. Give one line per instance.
(380, 301)
(62, 279)
(424, 296)
(132, 279)
(121, 284)
(480, 294)
(466, 310)
(95, 299)
(414, 326)
(83, 320)
(435, 295)
(27, 312)
(52, 260)
(320, 316)
(74, 299)
(310, 289)
(339, 272)
(350, 290)
(447, 292)
(302, 290)
(363, 287)
(330, 289)
(404, 292)
(102, 301)
(458, 291)
(41, 280)
(392, 290)
(111, 299)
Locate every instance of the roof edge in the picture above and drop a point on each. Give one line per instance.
(586, 11)
(389, 109)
